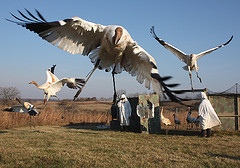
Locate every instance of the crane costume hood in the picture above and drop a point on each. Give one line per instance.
(208, 116)
(124, 111)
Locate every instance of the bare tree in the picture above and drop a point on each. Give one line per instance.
(9, 93)
(120, 92)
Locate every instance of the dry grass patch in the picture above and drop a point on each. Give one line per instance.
(60, 113)
(57, 146)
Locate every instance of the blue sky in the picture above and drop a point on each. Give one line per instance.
(192, 26)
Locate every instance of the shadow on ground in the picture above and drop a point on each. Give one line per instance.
(180, 132)
(1, 132)
(103, 127)
(89, 126)
(223, 156)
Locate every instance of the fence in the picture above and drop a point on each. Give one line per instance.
(227, 107)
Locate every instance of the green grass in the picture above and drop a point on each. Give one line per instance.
(55, 146)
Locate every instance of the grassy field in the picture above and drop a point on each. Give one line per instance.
(66, 135)
(65, 146)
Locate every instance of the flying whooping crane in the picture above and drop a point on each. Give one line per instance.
(25, 107)
(189, 59)
(54, 85)
(109, 47)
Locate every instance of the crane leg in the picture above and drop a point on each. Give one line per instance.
(114, 86)
(30, 121)
(199, 77)
(190, 75)
(34, 122)
(166, 131)
(196, 69)
(80, 90)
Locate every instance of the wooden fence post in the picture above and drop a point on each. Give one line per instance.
(236, 112)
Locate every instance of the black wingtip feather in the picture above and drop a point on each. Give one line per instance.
(52, 69)
(165, 78)
(11, 21)
(228, 41)
(172, 85)
(25, 16)
(178, 91)
(33, 23)
(167, 91)
(152, 31)
(18, 18)
(32, 15)
(40, 15)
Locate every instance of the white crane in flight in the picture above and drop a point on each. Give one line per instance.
(189, 59)
(54, 85)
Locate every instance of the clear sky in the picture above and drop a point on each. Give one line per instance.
(190, 25)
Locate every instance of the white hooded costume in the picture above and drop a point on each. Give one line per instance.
(208, 117)
(124, 111)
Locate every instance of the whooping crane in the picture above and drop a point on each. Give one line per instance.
(25, 107)
(189, 59)
(54, 85)
(165, 121)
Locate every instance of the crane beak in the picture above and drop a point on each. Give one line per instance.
(117, 36)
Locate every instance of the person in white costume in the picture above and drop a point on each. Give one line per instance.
(207, 115)
(124, 113)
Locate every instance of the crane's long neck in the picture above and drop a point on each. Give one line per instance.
(162, 112)
(35, 83)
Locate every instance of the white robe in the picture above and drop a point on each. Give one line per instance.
(208, 116)
(125, 111)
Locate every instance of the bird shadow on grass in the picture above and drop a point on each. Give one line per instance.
(87, 126)
(97, 127)
(223, 156)
(181, 132)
